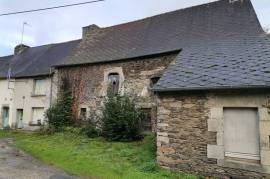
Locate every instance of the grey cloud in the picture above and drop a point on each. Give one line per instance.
(65, 24)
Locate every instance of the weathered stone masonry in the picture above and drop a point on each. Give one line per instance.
(135, 81)
(188, 140)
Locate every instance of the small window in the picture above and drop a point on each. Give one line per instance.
(113, 80)
(146, 119)
(154, 81)
(83, 114)
(40, 87)
(38, 116)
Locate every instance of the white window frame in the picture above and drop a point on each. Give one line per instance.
(42, 90)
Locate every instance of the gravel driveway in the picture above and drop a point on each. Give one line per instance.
(16, 164)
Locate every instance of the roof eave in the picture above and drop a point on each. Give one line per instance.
(209, 88)
(117, 60)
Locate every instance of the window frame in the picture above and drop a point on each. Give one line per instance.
(43, 93)
(115, 92)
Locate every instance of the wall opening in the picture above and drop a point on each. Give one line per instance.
(5, 116)
(241, 133)
(37, 116)
(39, 87)
(83, 114)
(20, 118)
(146, 119)
(114, 81)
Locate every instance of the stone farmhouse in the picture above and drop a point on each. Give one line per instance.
(201, 74)
(27, 84)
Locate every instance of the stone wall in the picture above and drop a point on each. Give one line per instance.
(188, 140)
(135, 81)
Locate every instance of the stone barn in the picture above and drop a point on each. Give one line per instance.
(202, 75)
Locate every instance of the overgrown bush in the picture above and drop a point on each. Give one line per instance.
(90, 129)
(121, 119)
(59, 115)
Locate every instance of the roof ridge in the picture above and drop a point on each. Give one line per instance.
(57, 43)
(165, 13)
(7, 56)
(44, 45)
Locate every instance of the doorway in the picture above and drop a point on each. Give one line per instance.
(241, 133)
(5, 115)
(20, 118)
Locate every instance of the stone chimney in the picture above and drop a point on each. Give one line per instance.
(20, 49)
(88, 31)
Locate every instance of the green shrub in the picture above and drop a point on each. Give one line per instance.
(121, 119)
(149, 167)
(90, 129)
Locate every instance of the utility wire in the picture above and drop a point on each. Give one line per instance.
(49, 8)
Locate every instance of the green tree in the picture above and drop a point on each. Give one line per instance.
(121, 120)
(60, 115)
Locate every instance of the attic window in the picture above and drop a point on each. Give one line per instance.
(154, 80)
(113, 80)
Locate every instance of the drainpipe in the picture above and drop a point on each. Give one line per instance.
(51, 86)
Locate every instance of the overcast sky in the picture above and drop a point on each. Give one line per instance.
(65, 24)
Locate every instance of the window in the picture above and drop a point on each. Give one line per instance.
(241, 133)
(37, 116)
(147, 119)
(154, 81)
(83, 114)
(113, 80)
(40, 87)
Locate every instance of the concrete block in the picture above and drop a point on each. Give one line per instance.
(265, 157)
(265, 127)
(264, 142)
(215, 151)
(213, 125)
(163, 139)
(263, 114)
(216, 113)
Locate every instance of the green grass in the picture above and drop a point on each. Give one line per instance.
(94, 158)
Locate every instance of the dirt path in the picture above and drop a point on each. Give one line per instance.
(16, 164)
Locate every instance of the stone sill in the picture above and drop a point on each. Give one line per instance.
(38, 95)
(253, 166)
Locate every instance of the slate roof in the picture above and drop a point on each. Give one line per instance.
(4, 63)
(222, 46)
(229, 64)
(168, 32)
(36, 61)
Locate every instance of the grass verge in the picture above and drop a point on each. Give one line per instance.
(94, 158)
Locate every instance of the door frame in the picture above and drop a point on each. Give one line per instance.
(2, 115)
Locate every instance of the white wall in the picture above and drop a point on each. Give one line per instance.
(22, 97)
(6, 99)
(26, 99)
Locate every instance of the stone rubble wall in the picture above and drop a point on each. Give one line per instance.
(183, 136)
(135, 75)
